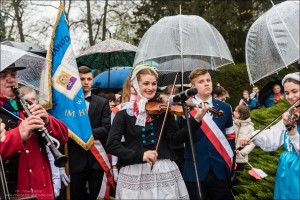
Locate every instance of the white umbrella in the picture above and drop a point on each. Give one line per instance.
(35, 74)
(273, 41)
(183, 42)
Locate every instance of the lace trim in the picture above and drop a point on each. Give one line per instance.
(149, 181)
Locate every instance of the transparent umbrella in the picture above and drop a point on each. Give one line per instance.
(27, 46)
(182, 43)
(35, 74)
(273, 41)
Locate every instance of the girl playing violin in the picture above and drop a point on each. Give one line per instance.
(287, 183)
(137, 155)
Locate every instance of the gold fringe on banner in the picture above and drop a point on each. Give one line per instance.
(49, 56)
(78, 140)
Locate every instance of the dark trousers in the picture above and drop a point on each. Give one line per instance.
(180, 158)
(211, 188)
(78, 184)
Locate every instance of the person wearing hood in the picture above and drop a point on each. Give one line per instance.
(242, 127)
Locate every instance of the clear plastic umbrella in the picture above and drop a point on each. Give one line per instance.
(182, 43)
(273, 41)
(27, 46)
(35, 74)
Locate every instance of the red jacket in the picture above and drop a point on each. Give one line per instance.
(34, 173)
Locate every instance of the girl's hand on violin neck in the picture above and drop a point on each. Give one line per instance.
(150, 156)
(200, 112)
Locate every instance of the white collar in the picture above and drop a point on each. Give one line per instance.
(197, 100)
(89, 94)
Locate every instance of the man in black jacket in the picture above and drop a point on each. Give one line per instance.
(83, 165)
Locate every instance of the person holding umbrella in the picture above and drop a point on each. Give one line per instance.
(145, 172)
(286, 133)
(26, 164)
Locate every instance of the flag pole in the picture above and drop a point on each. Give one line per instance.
(67, 169)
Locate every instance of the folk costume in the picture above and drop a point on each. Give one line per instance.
(287, 184)
(141, 132)
(26, 163)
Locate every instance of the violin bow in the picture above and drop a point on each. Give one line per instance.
(164, 121)
(241, 147)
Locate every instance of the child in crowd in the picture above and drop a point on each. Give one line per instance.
(247, 101)
(242, 127)
(110, 96)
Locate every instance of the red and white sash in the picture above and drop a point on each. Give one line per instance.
(217, 138)
(101, 156)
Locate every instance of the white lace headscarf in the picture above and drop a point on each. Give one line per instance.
(141, 118)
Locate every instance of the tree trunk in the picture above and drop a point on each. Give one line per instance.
(16, 5)
(89, 22)
(104, 20)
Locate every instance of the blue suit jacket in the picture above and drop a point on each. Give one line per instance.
(206, 154)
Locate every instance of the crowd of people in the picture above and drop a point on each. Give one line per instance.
(151, 155)
(270, 98)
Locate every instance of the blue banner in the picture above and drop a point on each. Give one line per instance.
(67, 94)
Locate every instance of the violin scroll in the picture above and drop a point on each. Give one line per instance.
(217, 113)
(293, 118)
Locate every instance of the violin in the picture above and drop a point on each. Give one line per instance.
(293, 118)
(159, 106)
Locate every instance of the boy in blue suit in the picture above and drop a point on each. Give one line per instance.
(214, 144)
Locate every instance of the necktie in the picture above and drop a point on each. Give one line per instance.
(14, 104)
(88, 99)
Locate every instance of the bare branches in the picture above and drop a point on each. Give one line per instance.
(6, 14)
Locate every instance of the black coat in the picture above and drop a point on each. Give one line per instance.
(139, 139)
(99, 114)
